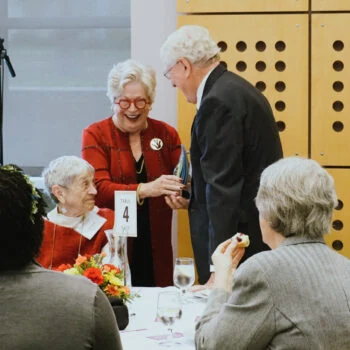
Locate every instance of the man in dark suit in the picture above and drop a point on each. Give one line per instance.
(233, 138)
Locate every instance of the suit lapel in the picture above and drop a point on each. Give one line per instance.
(213, 77)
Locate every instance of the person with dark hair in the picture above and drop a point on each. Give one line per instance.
(43, 309)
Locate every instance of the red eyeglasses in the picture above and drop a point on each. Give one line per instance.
(125, 103)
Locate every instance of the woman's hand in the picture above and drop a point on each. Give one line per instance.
(165, 185)
(226, 259)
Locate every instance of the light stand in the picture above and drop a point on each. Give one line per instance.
(3, 56)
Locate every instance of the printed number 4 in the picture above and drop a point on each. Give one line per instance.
(126, 214)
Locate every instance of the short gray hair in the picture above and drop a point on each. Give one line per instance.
(297, 197)
(192, 42)
(64, 170)
(129, 71)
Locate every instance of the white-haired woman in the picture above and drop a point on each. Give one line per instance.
(75, 226)
(131, 151)
(295, 296)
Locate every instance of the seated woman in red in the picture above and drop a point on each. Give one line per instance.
(75, 226)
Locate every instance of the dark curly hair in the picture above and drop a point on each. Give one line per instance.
(22, 208)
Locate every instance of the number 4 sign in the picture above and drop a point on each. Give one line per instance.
(125, 213)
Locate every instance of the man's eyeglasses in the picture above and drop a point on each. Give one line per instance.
(167, 73)
(125, 103)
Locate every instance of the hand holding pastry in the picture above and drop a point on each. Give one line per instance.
(241, 239)
(226, 259)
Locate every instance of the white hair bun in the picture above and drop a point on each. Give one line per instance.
(241, 239)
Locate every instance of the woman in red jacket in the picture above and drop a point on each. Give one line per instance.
(131, 151)
(75, 226)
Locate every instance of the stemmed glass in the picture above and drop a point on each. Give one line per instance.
(184, 274)
(168, 311)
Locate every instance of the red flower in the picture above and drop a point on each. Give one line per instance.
(62, 267)
(94, 274)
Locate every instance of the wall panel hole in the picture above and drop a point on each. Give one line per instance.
(260, 85)
(338, 106)
(338, 66)
(280, 106)
(281, 126)
(241, 46)
(260, 66)
(338, 126)
(338, 86)
(337, 245)
(280, 86)
(223, 63)
(338, 45)
(260, 46)
(241, 66)
(222, 45)
(280, 45)
(337, 225)
(339, 205)
(280, 66)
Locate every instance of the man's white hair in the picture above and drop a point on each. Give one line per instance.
(192, 42)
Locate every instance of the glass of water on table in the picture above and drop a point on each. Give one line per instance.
(168, 311)
(184, 275)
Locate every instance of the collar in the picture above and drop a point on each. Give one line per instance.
(292, 240)
(87, 225)
(201, 88)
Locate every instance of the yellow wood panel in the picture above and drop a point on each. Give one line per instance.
(330, 5)
(329, 34)
(341, 178)
(241, 5)
(292, 30)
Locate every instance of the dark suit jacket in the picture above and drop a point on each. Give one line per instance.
(294, 297)
(233, 138)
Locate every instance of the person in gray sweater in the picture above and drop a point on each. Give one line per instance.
(43, 309)
(296, 296)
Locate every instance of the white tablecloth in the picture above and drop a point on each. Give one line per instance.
(144, 332)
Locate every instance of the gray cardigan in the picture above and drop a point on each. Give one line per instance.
(294, 297)
(43, 309)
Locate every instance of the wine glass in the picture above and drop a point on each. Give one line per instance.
(168, 310)
(184, 274)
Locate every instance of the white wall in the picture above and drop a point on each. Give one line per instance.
(151, 23)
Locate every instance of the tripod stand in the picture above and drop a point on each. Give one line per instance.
(6, 58)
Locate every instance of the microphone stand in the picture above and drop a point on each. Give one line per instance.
(6, 58)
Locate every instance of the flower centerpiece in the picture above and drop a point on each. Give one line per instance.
(107, 276)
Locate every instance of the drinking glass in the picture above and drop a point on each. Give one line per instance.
(168, 311)
(184, 274)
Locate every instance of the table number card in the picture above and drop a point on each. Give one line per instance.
(125, 213)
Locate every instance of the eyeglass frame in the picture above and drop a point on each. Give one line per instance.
(131, 102)
(166, 74)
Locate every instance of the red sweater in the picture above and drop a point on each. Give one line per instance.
(65, 247)
(108, 150)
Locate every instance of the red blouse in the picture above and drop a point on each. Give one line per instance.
(108, 150)
(61, 244)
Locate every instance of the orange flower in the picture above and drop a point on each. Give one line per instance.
(112, 290)
(94, 274)
(80, 259)
(126, 289)
(110, 267)
(62, 267)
